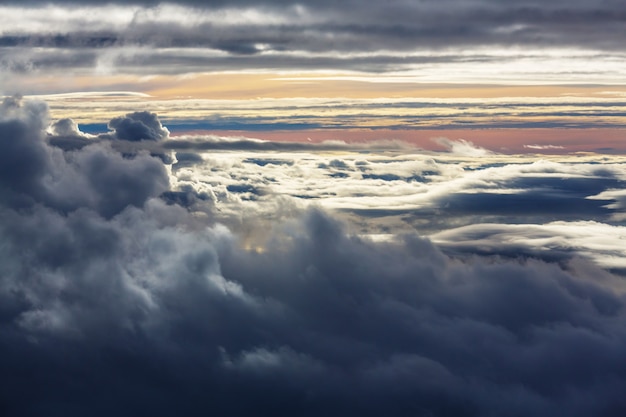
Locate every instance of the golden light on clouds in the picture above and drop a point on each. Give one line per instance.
(270, 85)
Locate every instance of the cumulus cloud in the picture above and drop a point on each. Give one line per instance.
(138, 126)
(65, 127)
(114, 302)
(96, 176)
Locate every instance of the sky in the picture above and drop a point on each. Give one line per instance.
(273, 208)
(399, 69)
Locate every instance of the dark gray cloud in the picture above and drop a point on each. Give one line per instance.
(24, 158)
(113, 302)
(138, 126)
(94, 176)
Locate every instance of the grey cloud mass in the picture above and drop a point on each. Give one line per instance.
(354, 35)
(138, 126)
(117, 301)
(96, 176)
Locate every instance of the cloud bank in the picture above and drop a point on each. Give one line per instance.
(114, 301)
(188, 36)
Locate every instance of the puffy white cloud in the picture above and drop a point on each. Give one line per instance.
(462, 147)
(395, 189)
(65, 127)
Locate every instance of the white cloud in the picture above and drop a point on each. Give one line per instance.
(462, 147)
(543, 147)
(603, 243)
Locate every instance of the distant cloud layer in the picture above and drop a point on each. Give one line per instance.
(392, 25)
(117, 300)
(192, 36)
(569, 54)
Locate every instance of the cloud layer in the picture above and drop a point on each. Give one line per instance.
(249, 27)
(114, 301)
(184, 37)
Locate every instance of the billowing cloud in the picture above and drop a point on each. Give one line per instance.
(65, 127)
(138, 126)
(114, 300)
(95, 176)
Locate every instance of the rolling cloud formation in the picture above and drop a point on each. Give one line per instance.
(116, 301)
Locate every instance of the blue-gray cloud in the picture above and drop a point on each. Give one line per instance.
(310, 34)
(116, 302)
(138, 126)
(94, 176)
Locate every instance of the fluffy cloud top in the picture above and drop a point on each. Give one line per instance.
(34, 173)
(138, 126)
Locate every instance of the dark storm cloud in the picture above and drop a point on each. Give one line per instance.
(113, 302)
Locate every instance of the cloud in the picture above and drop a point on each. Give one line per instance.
(65, 134)
(602, 243)
(23, 157)
(280, 24)
(119, 302)
(616, 199)
(543, 147)
(138, 126)
(387, 190)
(462, 147)
(94, 176)
(224, 143)
(65, 127)
(185, 37)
